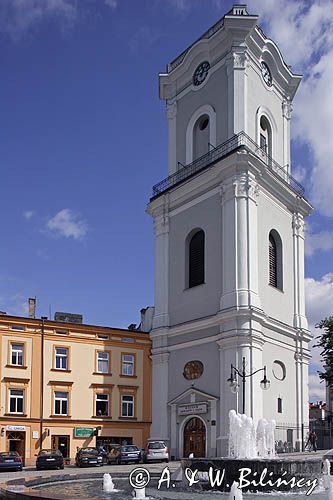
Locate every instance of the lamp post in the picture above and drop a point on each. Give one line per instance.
(264, 384)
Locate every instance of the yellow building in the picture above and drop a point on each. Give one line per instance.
(73, 384)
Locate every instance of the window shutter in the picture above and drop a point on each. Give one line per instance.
(272, 262)
(197, 259)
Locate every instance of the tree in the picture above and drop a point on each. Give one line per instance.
(326, 343)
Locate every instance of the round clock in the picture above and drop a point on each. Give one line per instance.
(201, 73)
(266, 74)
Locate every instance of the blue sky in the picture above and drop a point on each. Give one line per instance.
(83, 139)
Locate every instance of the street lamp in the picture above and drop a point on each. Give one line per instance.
(233, 383)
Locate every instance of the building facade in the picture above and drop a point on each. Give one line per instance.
(73, 385)
(229, 243)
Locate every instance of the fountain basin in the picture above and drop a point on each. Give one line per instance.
(80, 487)
(269, 473)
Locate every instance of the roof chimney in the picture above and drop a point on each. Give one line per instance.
(32, 308)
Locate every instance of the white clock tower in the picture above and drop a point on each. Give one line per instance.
(229, 244)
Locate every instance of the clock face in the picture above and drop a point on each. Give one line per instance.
(266, 74)
(201, 73)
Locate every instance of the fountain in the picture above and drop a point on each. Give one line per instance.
(326, 474)
(108, 485)
(139, 493)
(235, 492)
(247, 442)
(252, 463)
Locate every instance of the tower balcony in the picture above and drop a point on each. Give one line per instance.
(239, 141)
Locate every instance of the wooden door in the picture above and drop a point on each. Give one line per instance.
(16, 442)
(195, 438)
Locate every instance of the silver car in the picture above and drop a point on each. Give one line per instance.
(156, 450)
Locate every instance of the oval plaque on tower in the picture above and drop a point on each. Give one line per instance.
(193, 369)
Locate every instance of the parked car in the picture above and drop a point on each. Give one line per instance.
(124, 454)
(102, 451)
(88, 456)
(10, 460)
(49, 459)
(156, 450)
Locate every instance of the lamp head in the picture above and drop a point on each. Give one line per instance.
(265, 383)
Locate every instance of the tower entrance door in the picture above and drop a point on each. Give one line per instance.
(195, 438)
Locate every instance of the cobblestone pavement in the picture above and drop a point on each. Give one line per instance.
(29, 472)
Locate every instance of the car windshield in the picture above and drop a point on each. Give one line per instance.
(9, 453)
(129, 448)
(46, 452)
(89, 450)
(156, 446)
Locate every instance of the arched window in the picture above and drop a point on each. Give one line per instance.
(196, 259)
(201, 136)
(265, 135)
(275, 260)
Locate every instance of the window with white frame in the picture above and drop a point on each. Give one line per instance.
(61, 358)
(102, 362)
(60, 403)
(127, 405)
(17, 354)
(16, 400)
(102, 405)
(128, 367)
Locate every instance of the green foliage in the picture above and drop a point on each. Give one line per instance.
(326, 343)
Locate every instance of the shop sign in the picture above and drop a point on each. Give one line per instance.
(83, 432)
(16, 428)
(192, 409)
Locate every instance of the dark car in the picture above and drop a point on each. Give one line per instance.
(124, 454)
(49, 459)
(10, 460)
(88, 456)
(102, 451)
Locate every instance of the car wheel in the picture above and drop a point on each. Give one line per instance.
(61, 466)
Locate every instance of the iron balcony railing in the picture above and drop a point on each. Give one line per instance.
(239, 141)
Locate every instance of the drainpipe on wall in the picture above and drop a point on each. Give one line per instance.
(43, 318)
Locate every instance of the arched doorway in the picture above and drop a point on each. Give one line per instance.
(195, 438)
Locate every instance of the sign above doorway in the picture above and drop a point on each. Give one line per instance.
(192, 409)
(15, 428)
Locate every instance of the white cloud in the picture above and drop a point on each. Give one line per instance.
(19, 17)
(319, 305)
(67, 224)
(319, 298)
(111, 3)
(322, 241)
(15, 305)
(317, 388)
(28, 214)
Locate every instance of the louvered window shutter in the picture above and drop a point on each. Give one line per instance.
(197, 259)
(272, 262)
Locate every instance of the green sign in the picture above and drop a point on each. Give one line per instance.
(83, 432)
